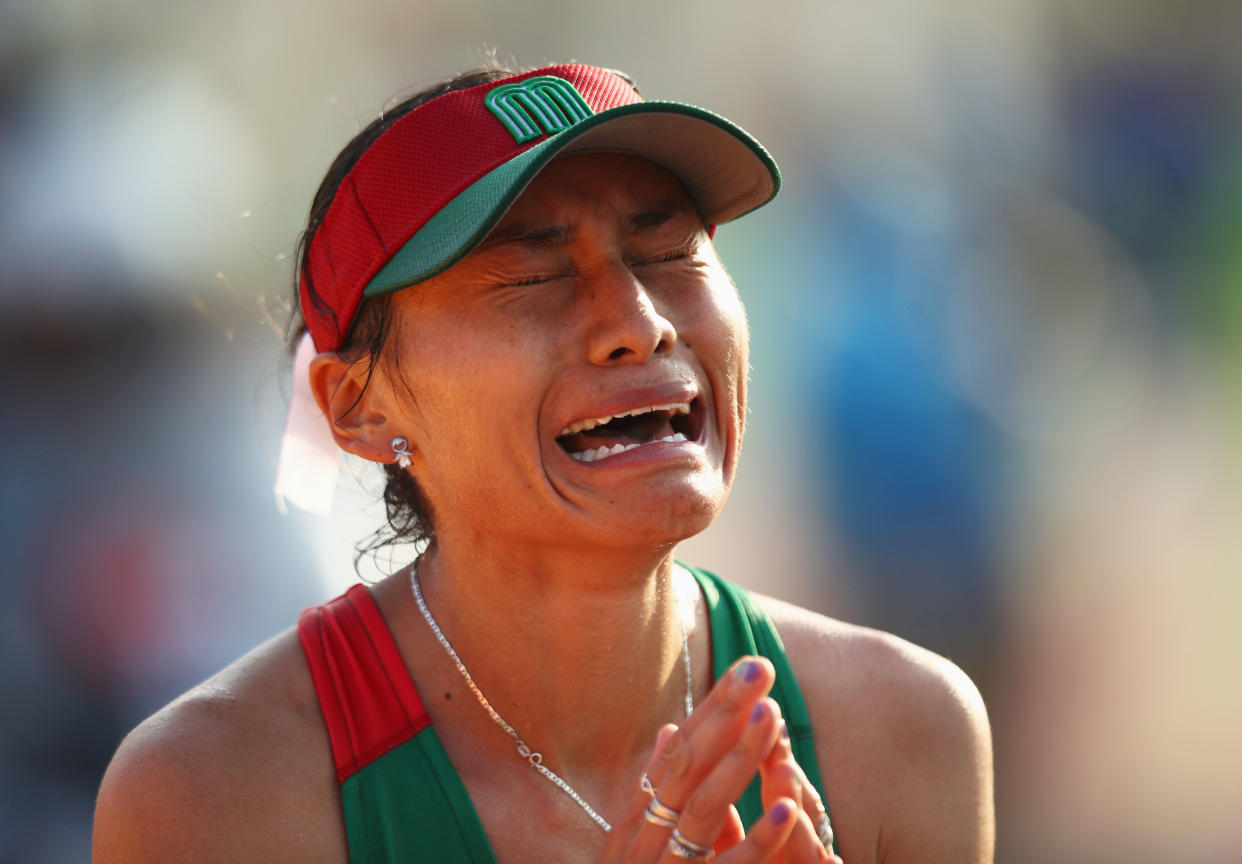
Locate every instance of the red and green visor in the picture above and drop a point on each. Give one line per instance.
(433, 185)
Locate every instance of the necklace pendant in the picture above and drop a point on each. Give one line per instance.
(528, 754)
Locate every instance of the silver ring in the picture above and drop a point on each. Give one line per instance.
(687, 850)
(661, 814)
(645, 785)
(697, 848)
(824, 829)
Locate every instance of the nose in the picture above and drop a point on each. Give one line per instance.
(625, 325)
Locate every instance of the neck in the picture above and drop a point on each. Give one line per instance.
(581, 654)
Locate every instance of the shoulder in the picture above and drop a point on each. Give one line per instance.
(910, 682)
(902, 736)
(237, 769)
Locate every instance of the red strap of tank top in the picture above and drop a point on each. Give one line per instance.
(368, 700)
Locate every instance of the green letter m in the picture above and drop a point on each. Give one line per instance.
(545, 101)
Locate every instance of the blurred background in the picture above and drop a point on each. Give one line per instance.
(996, 401)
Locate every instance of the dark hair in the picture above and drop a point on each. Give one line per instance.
(409, 518)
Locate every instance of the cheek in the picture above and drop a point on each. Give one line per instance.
(714, 326)
(740, 358)
(466, 382)
(739, 326)
(723, 323)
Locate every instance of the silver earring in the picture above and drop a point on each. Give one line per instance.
(400, 446)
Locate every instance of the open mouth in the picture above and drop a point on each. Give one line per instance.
(604, 437)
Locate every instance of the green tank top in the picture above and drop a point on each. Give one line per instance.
(403, 800)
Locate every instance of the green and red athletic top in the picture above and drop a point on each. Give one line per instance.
(402, 798)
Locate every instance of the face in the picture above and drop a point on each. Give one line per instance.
(580, 377)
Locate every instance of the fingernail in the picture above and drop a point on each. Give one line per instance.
(780, 813)
(757, 714)
(663, 735)
(784, 731)
(749, 672)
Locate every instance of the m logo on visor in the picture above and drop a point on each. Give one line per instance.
(543, 105)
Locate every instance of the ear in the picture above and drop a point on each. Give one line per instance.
(358, 422)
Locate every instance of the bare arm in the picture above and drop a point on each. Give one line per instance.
(902, 740)
(942, 811)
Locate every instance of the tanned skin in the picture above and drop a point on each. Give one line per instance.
(553, 578)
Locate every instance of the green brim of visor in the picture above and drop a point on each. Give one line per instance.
(726, 172)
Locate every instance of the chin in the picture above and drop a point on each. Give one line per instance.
(666, 520)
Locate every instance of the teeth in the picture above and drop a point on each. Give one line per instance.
(604, 452)
(583, 425)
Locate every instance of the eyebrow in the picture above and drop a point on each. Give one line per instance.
(542, 238)
(649, 220)
(655, 215)
(535, 237)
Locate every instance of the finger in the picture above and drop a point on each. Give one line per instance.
(734, 831)
(781, 780)
(662, 742)
(650, 836)
(755, 673)
(708, 808)
(765, 838)
(690, 752)
(665, 732)
(779, 775)
(709, 733)
(782, 771)
(625, 831)
(803, 846)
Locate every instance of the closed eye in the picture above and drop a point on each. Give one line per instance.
(531, 280)
(535, 280)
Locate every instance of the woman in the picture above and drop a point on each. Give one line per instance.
(517, 310)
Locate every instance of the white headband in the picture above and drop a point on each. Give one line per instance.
(306, 474)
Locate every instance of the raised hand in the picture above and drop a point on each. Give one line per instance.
(684, 810)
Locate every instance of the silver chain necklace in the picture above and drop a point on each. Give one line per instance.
(534, 758)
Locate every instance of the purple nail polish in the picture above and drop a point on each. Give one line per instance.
(757, 714)
(780, 813)
(784, 731)
(749, 672)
